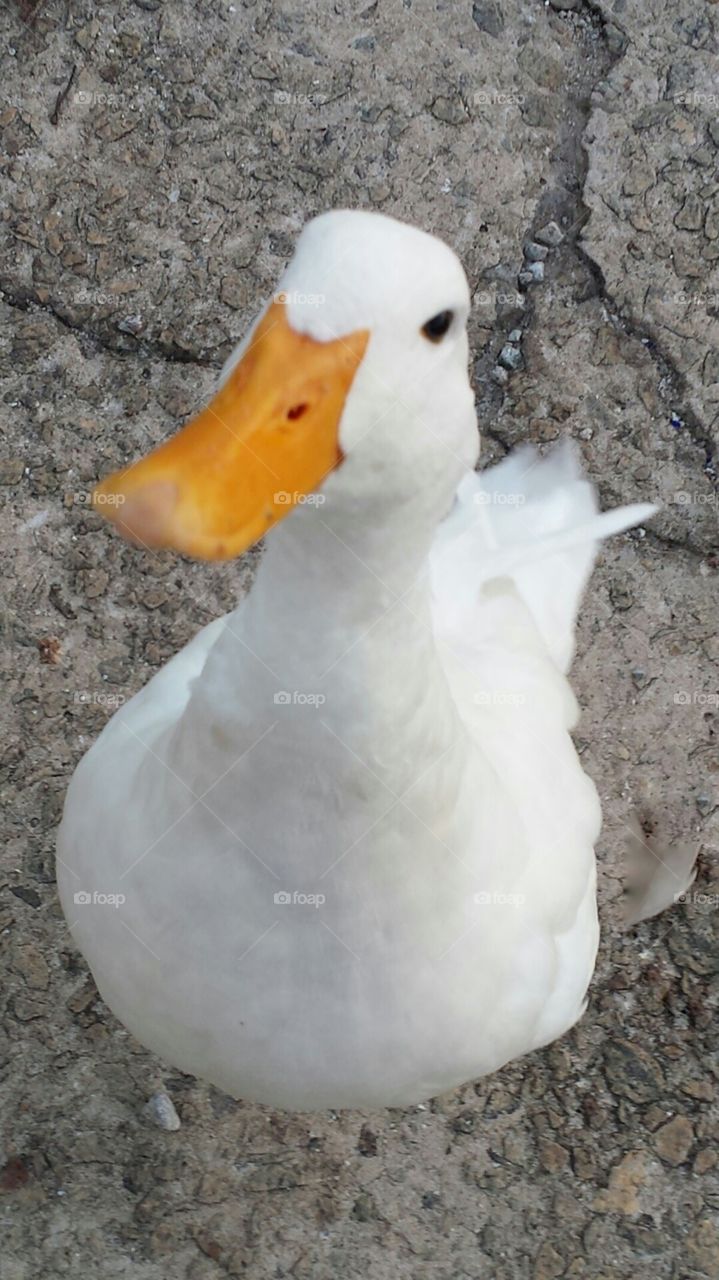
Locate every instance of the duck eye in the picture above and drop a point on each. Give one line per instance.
(436, 328)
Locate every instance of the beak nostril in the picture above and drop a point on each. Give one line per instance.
(296, 412)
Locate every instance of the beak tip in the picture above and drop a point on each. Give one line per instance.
(143, 515)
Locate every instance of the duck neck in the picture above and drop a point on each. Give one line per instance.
(321, 586)
(333, 637)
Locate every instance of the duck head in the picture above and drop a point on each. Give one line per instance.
(351, 383)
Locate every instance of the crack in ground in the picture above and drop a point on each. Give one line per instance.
(670, 375)
(571, 173)
(572, 170)
(686, 545)
(571, 177)
(169, 353)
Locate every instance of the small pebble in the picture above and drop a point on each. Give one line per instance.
(130, 324)
(500, 376)
(510, 357)
(515, 336)
(533, 273)
(621, 595)
(364, 1208)
(465, 1122)
(536, 252)
(50, 648)
(12, 470)
(705, 1160)
(161, 1110)
(551, 235)
(674, 1140)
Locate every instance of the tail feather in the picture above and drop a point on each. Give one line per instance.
(535, 519)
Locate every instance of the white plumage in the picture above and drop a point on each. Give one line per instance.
(383, 723)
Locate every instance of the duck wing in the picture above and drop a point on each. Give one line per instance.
(534, 519)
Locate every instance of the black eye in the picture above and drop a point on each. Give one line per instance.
(436, 328)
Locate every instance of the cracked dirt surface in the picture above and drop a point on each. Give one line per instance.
(146, 215)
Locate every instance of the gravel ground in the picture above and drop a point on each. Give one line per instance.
(158, 161)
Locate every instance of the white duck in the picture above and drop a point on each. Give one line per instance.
(348, 832)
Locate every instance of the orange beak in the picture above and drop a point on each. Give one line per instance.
(269, 437)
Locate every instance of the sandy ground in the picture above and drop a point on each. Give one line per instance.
(146, 214)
